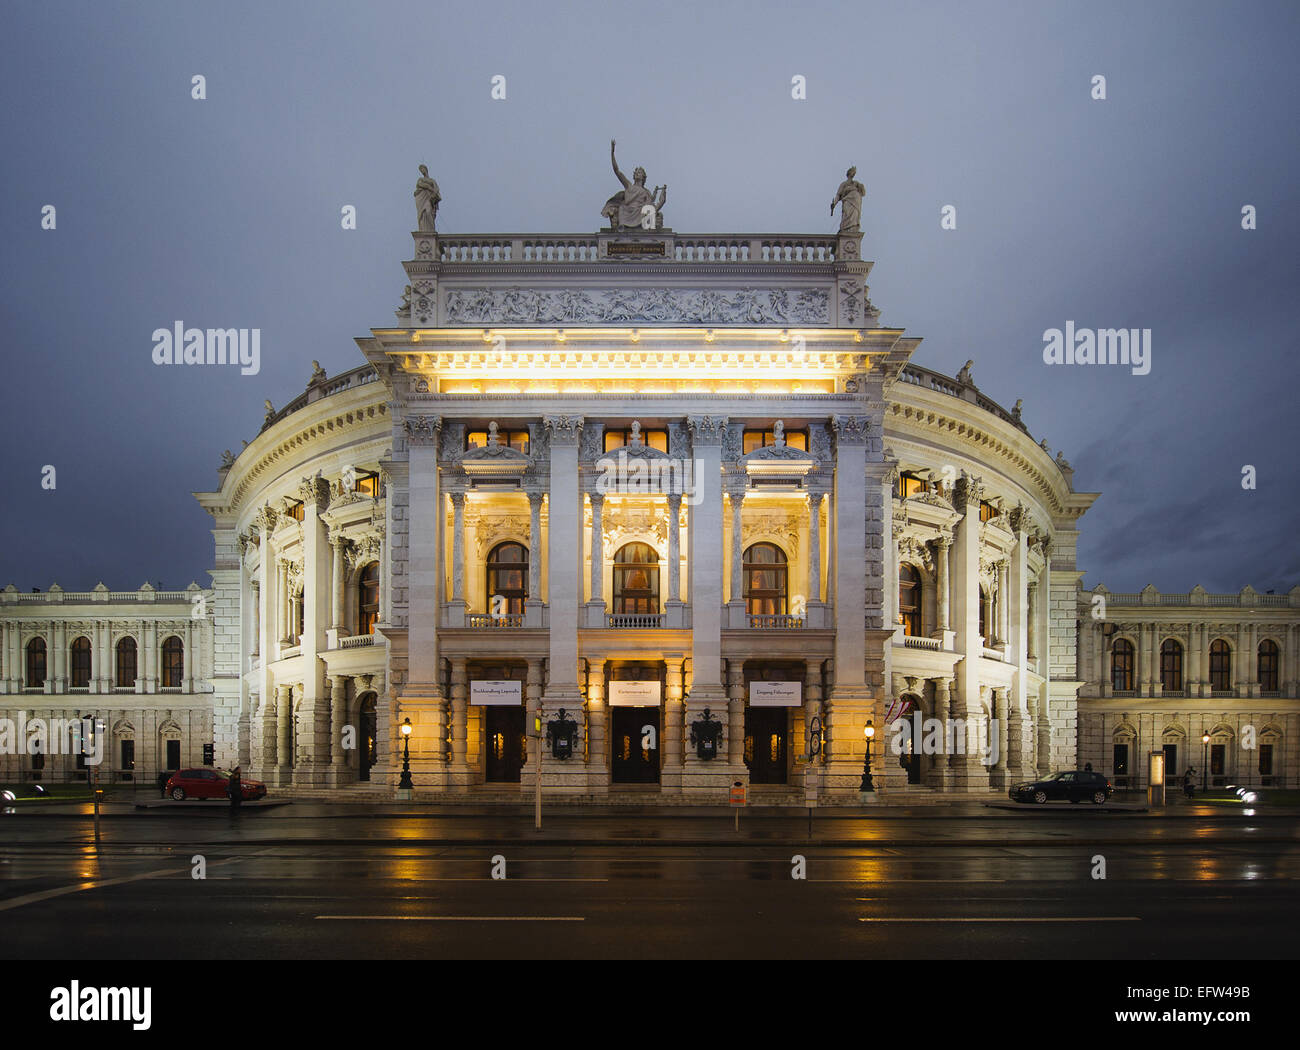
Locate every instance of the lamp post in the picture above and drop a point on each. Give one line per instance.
(405, 783)
(869, 731)
(1205, 769)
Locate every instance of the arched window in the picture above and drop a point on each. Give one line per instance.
(1268, 666)
(909, 599)
(368, 599)
(507, 576)
(173, 662)
(765, 580)
(1171, 666)
(126, 664)
(79, 664)
(1220, 665)
(36, 663)
(636, 579)
(1121, 666)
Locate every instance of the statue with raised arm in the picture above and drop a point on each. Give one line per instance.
(849, 198)
(427, 197)
(627, 209)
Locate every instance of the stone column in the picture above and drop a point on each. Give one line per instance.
(941, 548)
(674, 546)
(339, 773)
(736, 715)
(337, 546)
(420, 696)
(597, 726)
(282, 600)
(459, 721)
(942, 711)
(1001, 703)
(812, 701)
(532, 700)
(597, 547)
(967, 773)
(1004, 603)
(535, 548)
(814, 547)
(707, 433)
(283, 734)
(564, 567)
(1032, 624)
(1192, 670)
(458, 547)
(736, 494)
(671, 773)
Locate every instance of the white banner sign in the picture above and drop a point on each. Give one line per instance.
(634, 694)
(487, 694)
(775, 694)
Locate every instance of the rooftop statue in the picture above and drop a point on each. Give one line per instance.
(427, 196)
(849, 198)
(627, 209)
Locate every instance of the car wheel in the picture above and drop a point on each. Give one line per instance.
(1099, 797)
(178, 794)
(1040, 797)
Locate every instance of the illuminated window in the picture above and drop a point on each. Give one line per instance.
(1220, 665)
(756, 439)
(368, 598)
(636, 579)
(126, 663)
(516, 439)
(765, 573)
(908, 485)
(1121, 666)
(36, 663)
(79, 670)
(295, 510)
(909, 599)
(368, 483)
(1171, 666)
(1268, 666)
(656, 439)
(987, 510)
(173, 662)
(507, 576)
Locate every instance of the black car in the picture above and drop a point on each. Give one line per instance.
(1075, 786)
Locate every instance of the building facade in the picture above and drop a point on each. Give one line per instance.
(136, 666)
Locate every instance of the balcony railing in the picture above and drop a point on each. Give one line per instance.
(993, 654)
(474, 249)
(912, 641)
(776, 622)
(359, 642)
(487, 620)
(635, 620)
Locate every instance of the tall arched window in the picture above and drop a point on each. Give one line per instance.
(79, 664)
(1121, 666)
(507, 576)
(173, 662)
(1268, 654)
(636, 579)
(368, 599)
(1171, 666)
(909, 599)
(126, 664)
(1220, 665)
(765, 580)
(36, 663)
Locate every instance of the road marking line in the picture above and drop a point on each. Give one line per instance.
(1083, 918)
(456, 918)
(44, 895)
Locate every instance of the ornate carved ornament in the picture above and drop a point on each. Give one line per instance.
(491, 529)
(364, 549)
(315, 492)
(851, 430)
(780, 528)
(623, 524)
(967, 492)
(422, 430)
(912, 548)
(744, 306)
(563, 430)
(707, 430)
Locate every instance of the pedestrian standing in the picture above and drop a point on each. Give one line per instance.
(236, 790)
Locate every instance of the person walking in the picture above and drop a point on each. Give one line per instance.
(236, 789)
(1188, 782)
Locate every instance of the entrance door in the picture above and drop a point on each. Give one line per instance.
(173, 754)
(766, 739)
(1173, 775)
(630, 761)
(507, 746)
(368, 752)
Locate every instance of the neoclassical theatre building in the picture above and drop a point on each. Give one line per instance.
(686, 499)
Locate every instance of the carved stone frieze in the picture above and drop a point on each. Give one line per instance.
(488, 306)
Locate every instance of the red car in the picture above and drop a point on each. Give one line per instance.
(206, 782)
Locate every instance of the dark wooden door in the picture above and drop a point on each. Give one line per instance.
(631, 762)
(506, 744)
(766, 744)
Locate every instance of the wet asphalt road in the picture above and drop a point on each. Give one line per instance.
(320, 882)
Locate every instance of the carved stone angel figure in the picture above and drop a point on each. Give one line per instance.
(626, 209)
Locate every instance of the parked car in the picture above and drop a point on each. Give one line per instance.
(206, 782)
(1075, 786)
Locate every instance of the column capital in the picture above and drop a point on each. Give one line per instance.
(564, 430)
(707, 430)
(815, 497)
(315, 492)
(422, 430)
(457, 499)
(967, 492)
(850, 430)
(535, 498)
(675, 502)
(597, 498)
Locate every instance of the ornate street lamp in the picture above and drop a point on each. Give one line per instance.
(1205, 746)
(869, 732)
(405, 783)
